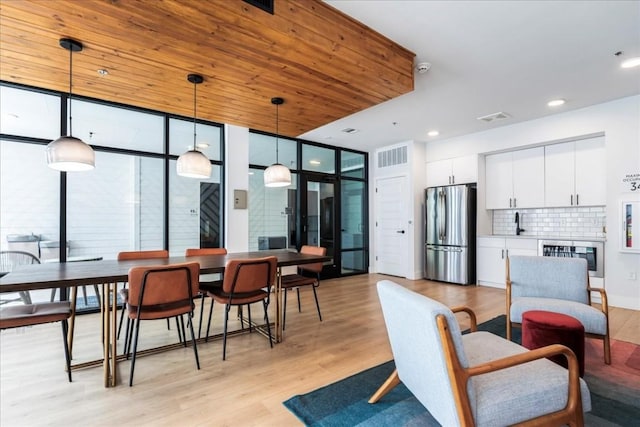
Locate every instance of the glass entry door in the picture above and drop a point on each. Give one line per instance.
(318, 218)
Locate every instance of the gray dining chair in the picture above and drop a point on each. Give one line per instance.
(9, 260)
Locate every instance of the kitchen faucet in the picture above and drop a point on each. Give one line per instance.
(518, 229)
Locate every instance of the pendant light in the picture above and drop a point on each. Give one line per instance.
(277, 175)
(193, 163)
(69, 153)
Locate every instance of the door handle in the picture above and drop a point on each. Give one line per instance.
(400, 231)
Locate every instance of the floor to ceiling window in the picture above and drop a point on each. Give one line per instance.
(132, 200)
(324, 206)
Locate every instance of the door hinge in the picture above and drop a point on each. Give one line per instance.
(376, 257)
(376, 189)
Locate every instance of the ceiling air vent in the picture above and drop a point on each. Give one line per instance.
(349, 130)
(266, 5)
(392, 157)
(494, 117)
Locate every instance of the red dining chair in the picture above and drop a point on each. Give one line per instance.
(205, 286)
(161, 292)
(308, 275)
(35, 314)
(245, 282)
(131, 255)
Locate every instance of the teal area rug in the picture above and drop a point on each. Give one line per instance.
(615, 392)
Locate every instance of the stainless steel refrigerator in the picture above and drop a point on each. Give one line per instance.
(450, 234)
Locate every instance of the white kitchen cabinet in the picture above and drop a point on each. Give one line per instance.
(459, 170)
(492, 253)
(575, 173)
(515, 179)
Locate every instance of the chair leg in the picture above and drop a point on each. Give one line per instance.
(206, 338)
(128, 338)
(124, 308)
(97, 292)
(607, 350)
(284, 310)
(67, 356)
(193, 340)
(224, 335)
(135, 349)
(249, 314)
(386, 387)
(179, 330)
(25, 296)
(84, 295)
(201, 313)
(315, 295)
(180, 320)
(168, 325)
(53, 294)
(266, 321)
(299, 306)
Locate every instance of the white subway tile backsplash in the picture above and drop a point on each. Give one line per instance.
(576, 222)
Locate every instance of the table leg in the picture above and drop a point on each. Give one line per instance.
(72, 320)
(110, 343)
(278, 298)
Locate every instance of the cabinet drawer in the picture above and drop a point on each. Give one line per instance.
(531, 244)
(490, 242)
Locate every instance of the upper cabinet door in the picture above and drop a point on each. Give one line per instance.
(575, 173)
(590, 172)
(465, 169)
(459, 170)
(439, 173)
(499, 181)
(559, 174)
(528, 178)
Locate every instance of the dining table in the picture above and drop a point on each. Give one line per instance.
(109, 272)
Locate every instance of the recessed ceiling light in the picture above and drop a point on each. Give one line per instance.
(314, 162)
(433, 133)
(631, 62)
(556, 102)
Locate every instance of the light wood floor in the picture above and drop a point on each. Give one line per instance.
(246, 389)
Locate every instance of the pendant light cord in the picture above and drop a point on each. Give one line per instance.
(194, 116)
(277, 131)
(70, 92)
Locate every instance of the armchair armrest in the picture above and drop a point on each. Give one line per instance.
(472, 316)
(603, 298)
(460, 376)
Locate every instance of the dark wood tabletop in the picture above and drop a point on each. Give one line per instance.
(60, 275)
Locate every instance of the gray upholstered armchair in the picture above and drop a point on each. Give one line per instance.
(560, 285)
(462, 379)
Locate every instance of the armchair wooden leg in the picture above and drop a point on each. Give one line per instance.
(607, 350)
(386, 387)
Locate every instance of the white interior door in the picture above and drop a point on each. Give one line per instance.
(391, 226)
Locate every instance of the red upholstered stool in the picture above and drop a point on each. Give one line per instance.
(542, 328)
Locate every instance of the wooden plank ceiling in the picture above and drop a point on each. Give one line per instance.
(323, 63)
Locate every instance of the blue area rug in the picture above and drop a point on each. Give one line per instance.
(344, 403)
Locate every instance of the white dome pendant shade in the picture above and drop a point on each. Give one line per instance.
(277, 175)
(68, 153)
(194, 163)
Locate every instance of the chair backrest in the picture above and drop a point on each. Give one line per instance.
(548, 277)
(126, 255)
(10, 259)
(166, 290)
(418, 350)
(249, 275)
(205, 251)
(312, 250)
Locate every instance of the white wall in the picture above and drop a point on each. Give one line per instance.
(619, 120)
(236, 178)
